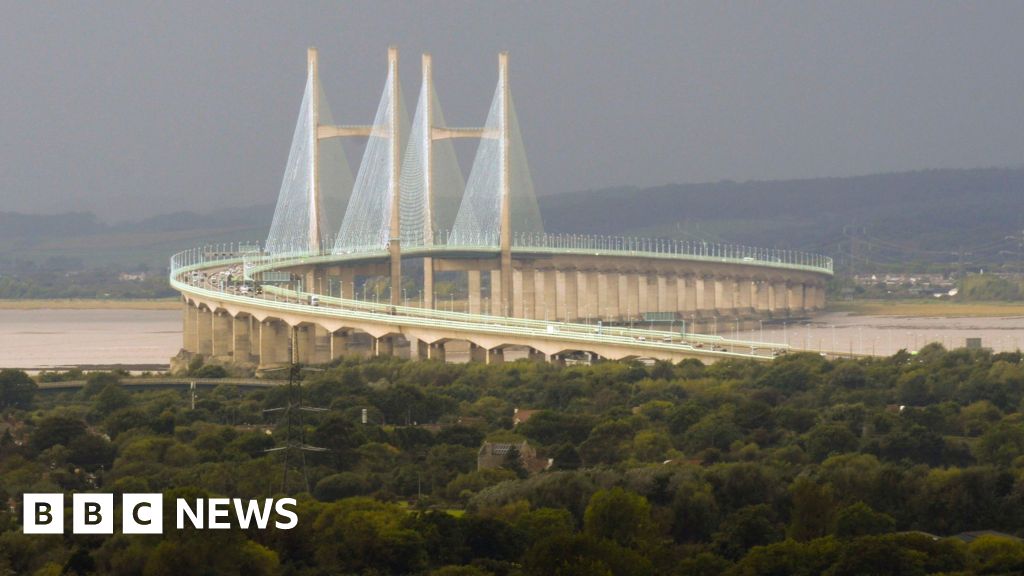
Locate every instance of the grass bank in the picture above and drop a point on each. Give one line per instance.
(927, 308)
(90, 304)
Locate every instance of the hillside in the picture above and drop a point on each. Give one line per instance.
(902, 218)
(911, 220)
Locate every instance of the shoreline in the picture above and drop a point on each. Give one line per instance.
(133, 369)
(919, 308)
(90, 304)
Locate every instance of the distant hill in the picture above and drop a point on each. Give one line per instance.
(922, 217)
(80, 239)
(912, 219)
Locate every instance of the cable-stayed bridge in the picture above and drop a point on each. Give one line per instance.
(407, 250)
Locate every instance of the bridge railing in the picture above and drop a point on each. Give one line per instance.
(551, 243)
(667, 247)
(201, 256)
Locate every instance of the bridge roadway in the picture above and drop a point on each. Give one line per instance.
(281, 325)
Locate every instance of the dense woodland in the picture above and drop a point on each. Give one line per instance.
(799, 466)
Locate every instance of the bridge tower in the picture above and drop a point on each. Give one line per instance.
(395, 242)
(316, 203)
(505, 220)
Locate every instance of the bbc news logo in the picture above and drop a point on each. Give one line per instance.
(144, 513)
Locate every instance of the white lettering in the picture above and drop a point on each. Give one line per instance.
(219, 508)
(252, 511)
(185, 510)
(281, 507)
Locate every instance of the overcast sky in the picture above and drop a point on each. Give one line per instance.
(136, 108)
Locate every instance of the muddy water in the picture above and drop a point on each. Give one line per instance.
(34, 339)
(884, 335)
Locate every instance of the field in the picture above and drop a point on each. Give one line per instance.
(927, 308)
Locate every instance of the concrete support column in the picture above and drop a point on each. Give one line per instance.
(809, 296)
(779, 295)
(761, 296)
(241, 338)
(255, 329)
(339, 343)
(428, 282)
(204, 331)
(536, 355)
(477, 353)
(699, 296)
(305, 339)
(689, 293)
(622, 279)
(795, 297)
(632, 306)
(550, 295)
(653, 295)
(727, 303)
(421, 350)
(323, 345)
(588, 296)
(189, 338)
(528, 289)
(436, 351)
(743, 296)
(711, 293)
(565, 295)
(222, 343)
(496, 307)
(473, 284)
(274, 337)
(496, 356)
(819, 301)
(641, 294)
(517, 291)
(384, 346)
(667, 294)
(609, 300)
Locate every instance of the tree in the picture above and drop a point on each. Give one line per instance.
(608, 443)
(54, 430)
(583, 555)
(813, 509)
(997, 555)
(16, 389)
(860, 520)
(747, 527)
(95, 382)
(830, 438)
(338, 486)
(1001, 444)
(617, 515)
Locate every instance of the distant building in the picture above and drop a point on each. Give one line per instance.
(495, 455)
(133, 276)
